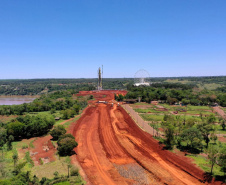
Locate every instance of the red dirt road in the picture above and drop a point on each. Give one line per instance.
(112, 149)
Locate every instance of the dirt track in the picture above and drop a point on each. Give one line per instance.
(112, 149)
(220, 112)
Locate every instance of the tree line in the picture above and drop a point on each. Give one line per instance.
(43, 86)
(175, 93)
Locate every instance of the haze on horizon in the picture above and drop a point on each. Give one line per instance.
(71, 39)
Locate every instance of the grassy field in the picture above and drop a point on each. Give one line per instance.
(67, 124)
(191, 107)
(56, 114)
(201, 86)
(219, 129)
(210, 86)
(177, 81)
(204, 163)
(149, 111)
(152, 117)
(156, 114)
(44, 170)
(47, 170)
(141, 103)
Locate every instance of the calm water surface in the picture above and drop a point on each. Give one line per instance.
(15, 100)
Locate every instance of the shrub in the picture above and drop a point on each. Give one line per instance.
(57, 132)
(74, 172)
(24, 146)
(66, 144)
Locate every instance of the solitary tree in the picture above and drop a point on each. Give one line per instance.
(205, 129)
(213, 137)
(9, 142)
(68, 161)
(169, 133)
(222, 159)
(66, 144)
(15, 158)
(223, 124)
(212, 153)
(211, 119)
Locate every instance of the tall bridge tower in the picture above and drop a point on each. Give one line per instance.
(100, 76)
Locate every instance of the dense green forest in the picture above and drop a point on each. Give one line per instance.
(42, 86)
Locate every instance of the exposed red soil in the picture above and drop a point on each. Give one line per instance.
(104, 95)
(222, 139)
(108, 138)
(5, 119)
(43, 148)
(220, 112)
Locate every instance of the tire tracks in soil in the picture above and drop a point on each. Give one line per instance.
(166, 172)
(108, 136)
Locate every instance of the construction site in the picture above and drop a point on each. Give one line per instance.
(114, 149)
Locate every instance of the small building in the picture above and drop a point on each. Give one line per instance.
(57, 118)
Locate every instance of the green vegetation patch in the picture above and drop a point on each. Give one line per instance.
(47, 170)
(191, 107)
(67, 124)
(219, 129)
(28, 158)
(141, 103)
(204, 164)
(152, 117)
(63, 183)
(210, 86)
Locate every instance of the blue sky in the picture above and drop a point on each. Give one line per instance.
(71, 39)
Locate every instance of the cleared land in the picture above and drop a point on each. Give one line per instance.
(112, 149)
(155, 113)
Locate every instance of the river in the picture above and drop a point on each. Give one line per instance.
(15, 100)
